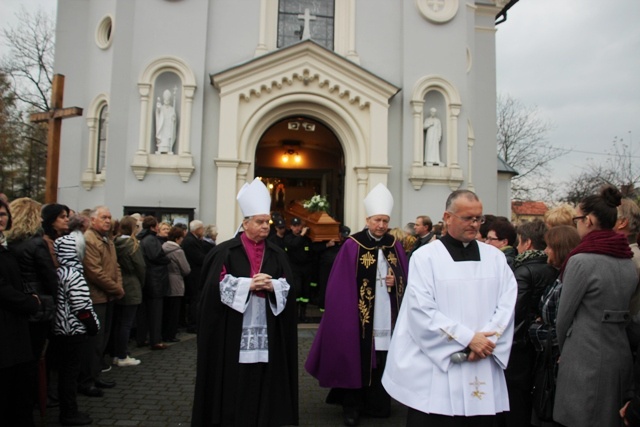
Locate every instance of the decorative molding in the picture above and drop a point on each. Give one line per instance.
(144, 161)
(450, 174)
(447, 175)
(104, 32)
(89, 177)
(471, 140)
(307, 80)
(437, 11)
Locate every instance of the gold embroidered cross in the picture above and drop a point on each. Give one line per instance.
(477, 393)
(367, 260)
(391, 258)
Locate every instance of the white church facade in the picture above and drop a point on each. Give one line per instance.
(186, 100)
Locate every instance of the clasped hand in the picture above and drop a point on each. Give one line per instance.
(261, 282)
(481, 346)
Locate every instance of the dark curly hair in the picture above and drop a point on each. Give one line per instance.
(603, 206)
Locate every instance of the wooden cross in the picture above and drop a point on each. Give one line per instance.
(54, 117)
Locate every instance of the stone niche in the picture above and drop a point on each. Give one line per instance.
(321, 226)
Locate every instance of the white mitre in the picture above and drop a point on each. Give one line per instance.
(254, 199)
(379, 201)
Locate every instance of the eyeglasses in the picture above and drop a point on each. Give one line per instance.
(470, 219)
(578, 218)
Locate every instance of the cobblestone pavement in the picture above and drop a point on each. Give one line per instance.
(159, 391)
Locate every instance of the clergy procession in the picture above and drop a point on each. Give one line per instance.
(483, 324)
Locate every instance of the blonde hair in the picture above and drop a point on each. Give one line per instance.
(560, 215)
(27, 220)
(407, 241)
(128, 226)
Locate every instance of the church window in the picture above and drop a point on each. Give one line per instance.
(104, 32)
(103, 123)
(293, 17)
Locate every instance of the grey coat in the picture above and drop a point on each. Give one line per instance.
(595, 360)
(178, 268)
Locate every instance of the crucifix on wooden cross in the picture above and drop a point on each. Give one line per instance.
(54, 117)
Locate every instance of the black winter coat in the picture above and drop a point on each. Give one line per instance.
(195, 251)
(15, 307)
(533, 276)
(36, 265)
(157, 276)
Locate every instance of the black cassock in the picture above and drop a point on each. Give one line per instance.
(229, 393)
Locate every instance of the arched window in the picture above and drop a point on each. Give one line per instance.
(98, 122)
(103, 124)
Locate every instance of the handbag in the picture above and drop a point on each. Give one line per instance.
(47, 307)
(544, 382)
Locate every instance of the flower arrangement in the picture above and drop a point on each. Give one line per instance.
(317, 203)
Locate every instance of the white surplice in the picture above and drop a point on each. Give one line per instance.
(445, 303)
(254, 342)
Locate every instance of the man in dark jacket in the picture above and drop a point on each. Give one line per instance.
(149, 316)
(302, 259)
(423, 228)
(195, 251)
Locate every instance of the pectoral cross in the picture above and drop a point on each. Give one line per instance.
(306, 33)
(54, 118)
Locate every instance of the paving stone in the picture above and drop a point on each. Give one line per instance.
(159, 391)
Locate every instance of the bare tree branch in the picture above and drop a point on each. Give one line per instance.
(522, 143)
(621, 169)
(29, 64)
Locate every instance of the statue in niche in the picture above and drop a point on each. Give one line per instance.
(432, 138)
(166, 122)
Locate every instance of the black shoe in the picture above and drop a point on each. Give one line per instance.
(173, 340)
(105, 384)
(77, 419)
(351, 416)
(91, 391)
(52, 402)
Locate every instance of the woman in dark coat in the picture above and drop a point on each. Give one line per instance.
(533, 275)
(155, 287)
(131, 262)
(37, 269)
(599, 278)
(16, 357)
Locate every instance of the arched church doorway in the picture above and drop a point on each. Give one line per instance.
(298, 157)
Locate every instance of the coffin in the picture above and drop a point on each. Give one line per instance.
(321, 226)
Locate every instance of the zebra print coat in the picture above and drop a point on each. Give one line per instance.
(73, 291)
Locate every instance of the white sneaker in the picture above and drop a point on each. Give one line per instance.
(128, 361)
(115, 361)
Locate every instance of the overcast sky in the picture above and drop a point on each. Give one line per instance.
(578, 61)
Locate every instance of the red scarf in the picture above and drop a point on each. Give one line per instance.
(604, 242)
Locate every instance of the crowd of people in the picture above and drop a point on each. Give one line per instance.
(471, 321)
(76, 288)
